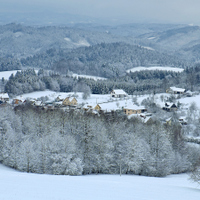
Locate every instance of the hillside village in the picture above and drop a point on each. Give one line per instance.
(117, 101)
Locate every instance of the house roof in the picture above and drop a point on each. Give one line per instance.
(134, 107)
(112, 106)
(175, 89)
(4, 95)
(38, 103)
(119, 91)
(70, 98)
(168, 119)
(169, 105)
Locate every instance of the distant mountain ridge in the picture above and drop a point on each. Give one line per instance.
(182, 41)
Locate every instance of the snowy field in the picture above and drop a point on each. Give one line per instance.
(94, 98)
(82, 42)
(16, 185)
(161, 68)
(188, 100)
(88, 77)
(7, 74)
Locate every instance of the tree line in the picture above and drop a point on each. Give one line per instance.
(142, 82)
(75, 143)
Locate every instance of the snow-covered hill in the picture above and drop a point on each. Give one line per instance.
(160, 68)
(16, 185)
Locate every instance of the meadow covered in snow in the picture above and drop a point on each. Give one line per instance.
(160, 68)
(16, 185)
(7, 74)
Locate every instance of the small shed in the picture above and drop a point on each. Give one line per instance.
(118, 93)
(175, 90)
(4, 97)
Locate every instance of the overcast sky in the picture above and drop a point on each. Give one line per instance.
(173, 11)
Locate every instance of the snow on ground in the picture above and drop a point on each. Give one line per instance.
(16, 185)
(148, 48)
(88, 77)
(188, 100)
(18, 34)
(67, 39)
(162, 68)
(7, 74)
(108, 103)
(38, 94)
(82, 42)
(53, 95)
(151, 38)
(104, 100)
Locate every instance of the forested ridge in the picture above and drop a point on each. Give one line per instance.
(105, 59)
(133, 83)
(74, 143)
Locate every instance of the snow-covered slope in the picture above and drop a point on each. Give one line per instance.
(16, 185)
(7, 74)
(161, 68)
(88, 77)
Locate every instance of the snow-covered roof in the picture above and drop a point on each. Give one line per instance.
(38, 103)
(146, 119)
(112, 106)
(134, 107)
(175, 89)
(169, 104)
(119, 91)
(4, 96)
(168, 119)
(109, 106)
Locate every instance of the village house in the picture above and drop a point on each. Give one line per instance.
(182, 120)
(97, 107)
(17, 101)
(58, 99)
(38, 103)
(146, 117)
(4, 97)
(134, 109)
(168, 121)
(87, 107)
(70, 101)
(170, 107)
(118, 93)
(175, 90)
(108, 107)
